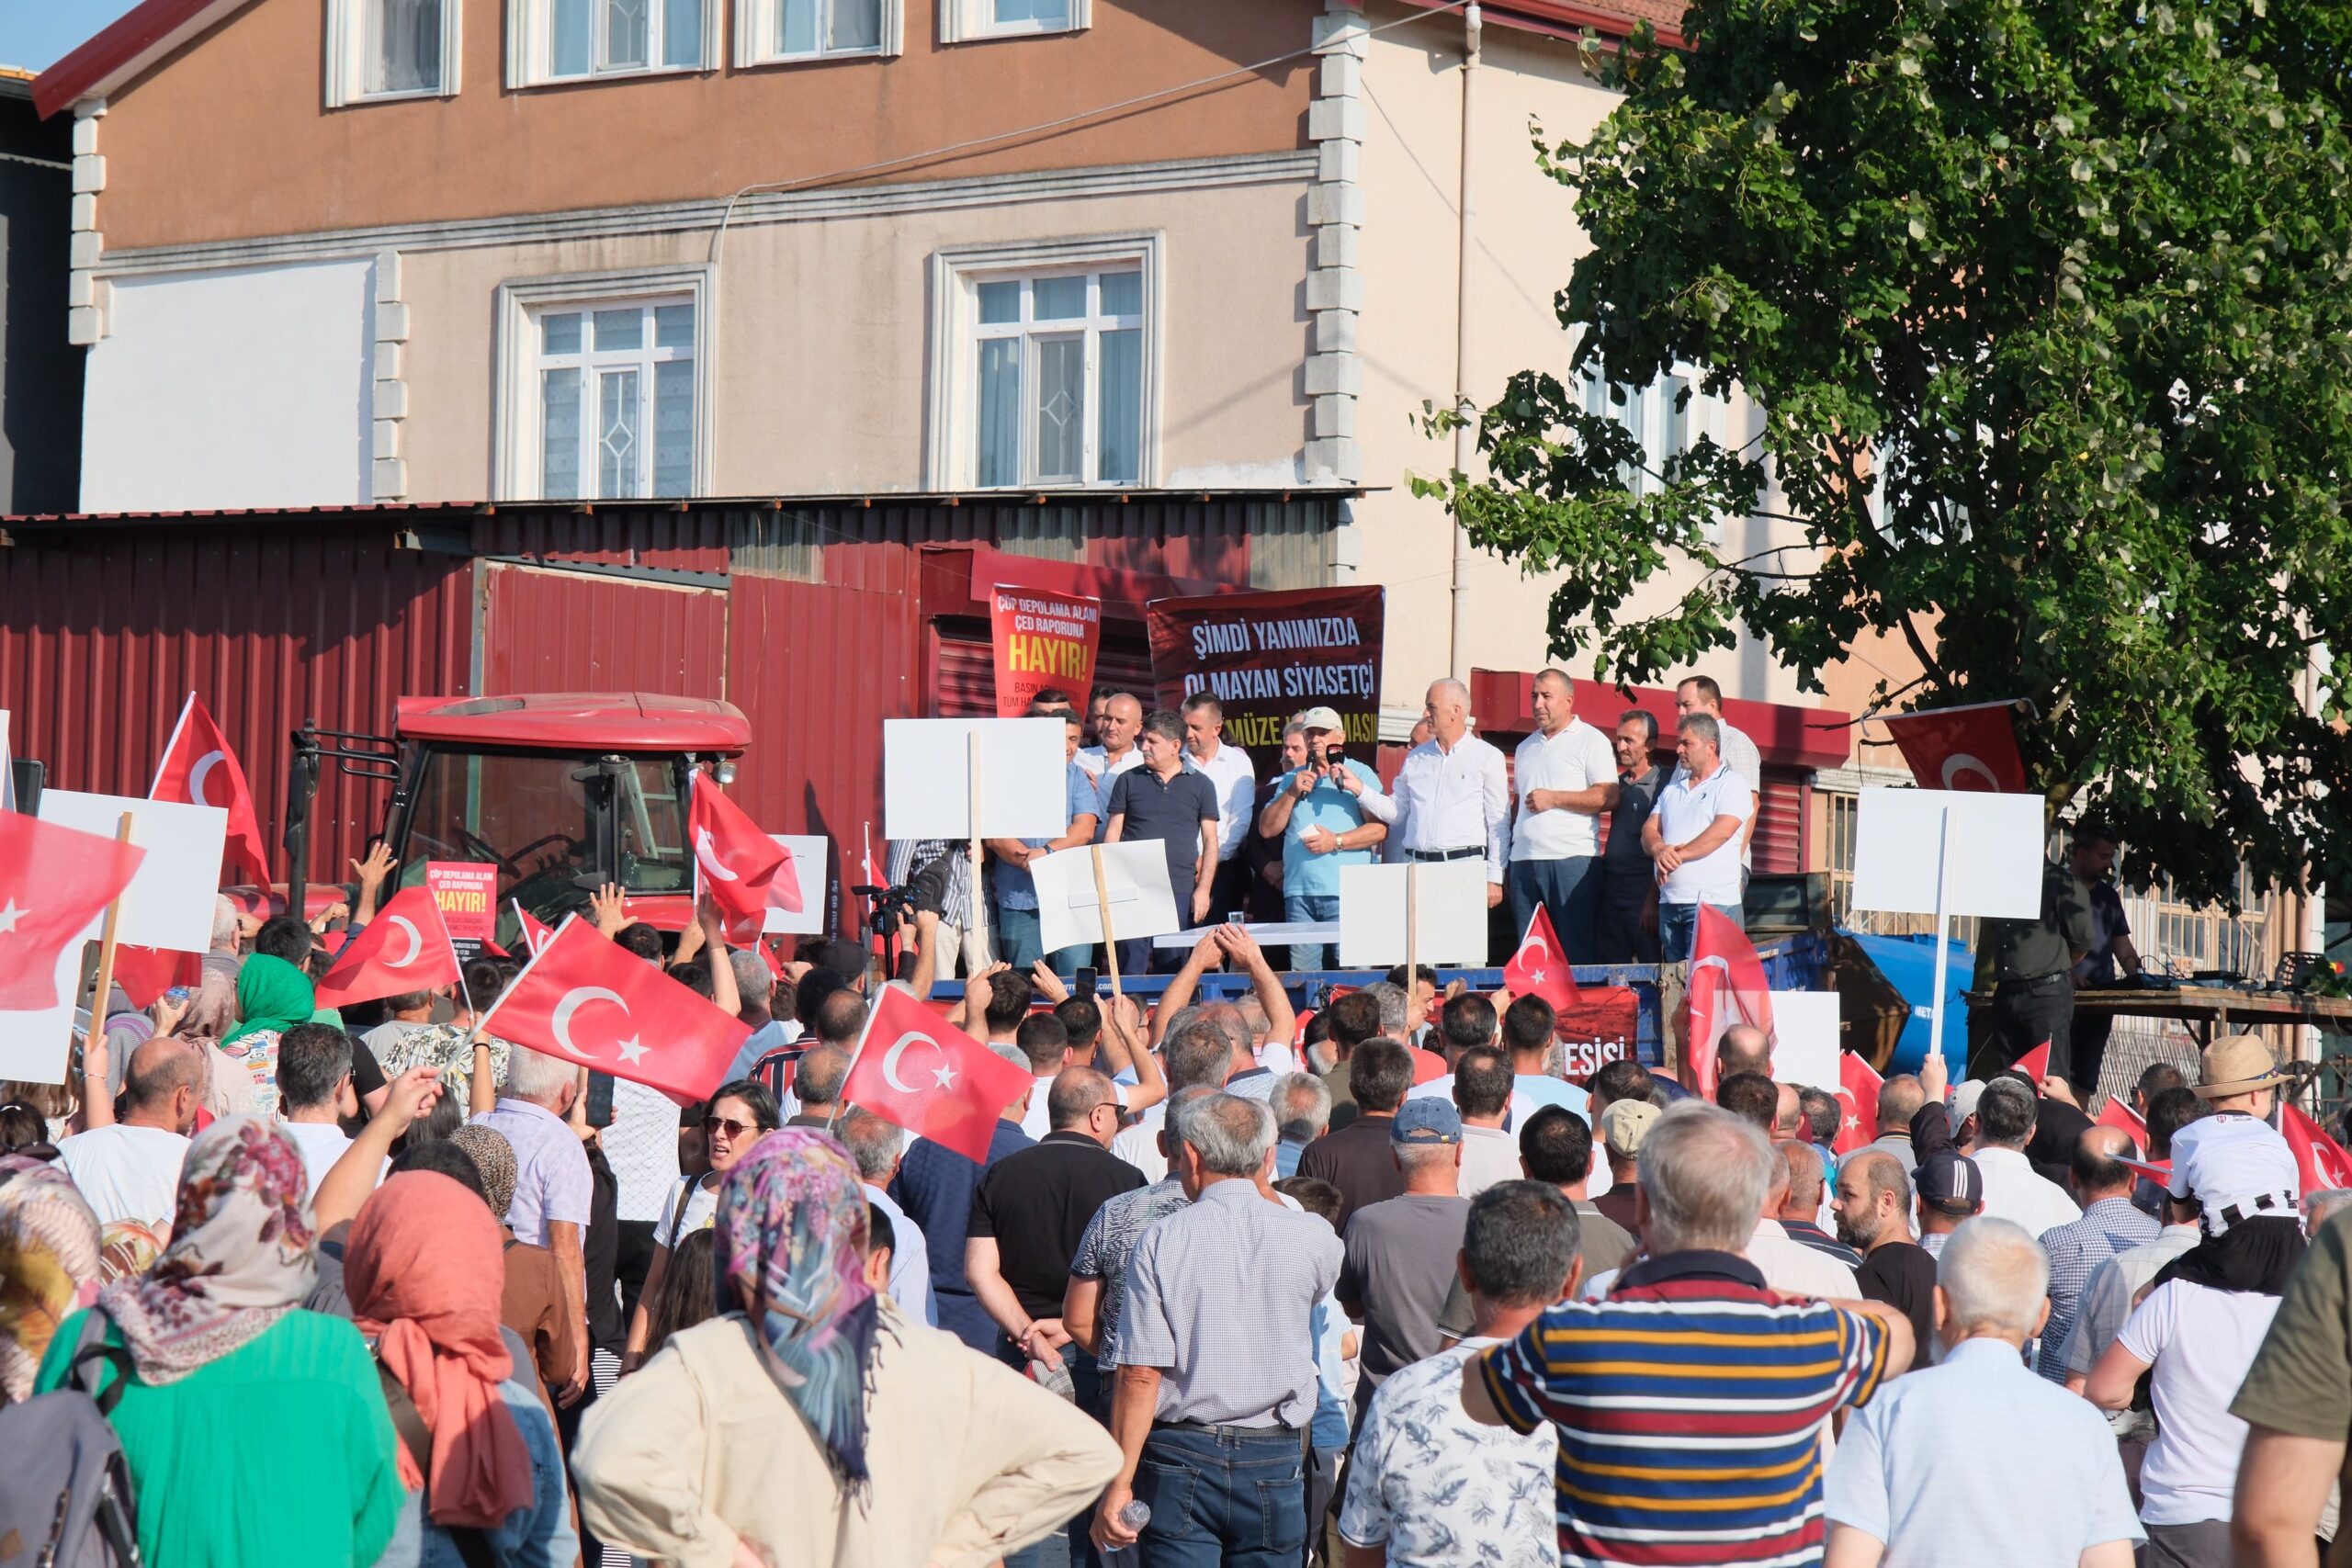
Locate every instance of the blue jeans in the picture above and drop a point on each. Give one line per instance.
(1019, 943)
(1569, 891)
(1231, 1501)
(1311, 906)
(1677, 928)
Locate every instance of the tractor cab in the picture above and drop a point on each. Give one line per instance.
(562, 793)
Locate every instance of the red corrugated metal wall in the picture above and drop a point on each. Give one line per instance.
(104, 633)
(567, 631)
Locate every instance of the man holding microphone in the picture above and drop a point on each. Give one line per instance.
(1330, 813)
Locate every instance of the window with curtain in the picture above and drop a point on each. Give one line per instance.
(813, 29)
(590, 38)
(1058, 398)
(403, 45)
(616, 399)
(998, 18)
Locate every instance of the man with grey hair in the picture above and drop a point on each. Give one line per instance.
(1098, 1269)
(875, 1145)
(1400, 1251)
(1899, 1099)
(1302, 1105)
(1216, 1355)
(1978, 1460)
(1626, 1380)
(1453, 794)
(1693, 837)
(817, 1085)
(226, 953)
(2013, 1188)
(1200, 1054)
(553, 1186)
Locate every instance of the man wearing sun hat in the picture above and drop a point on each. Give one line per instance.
(1329, 814)
(2238, 1072)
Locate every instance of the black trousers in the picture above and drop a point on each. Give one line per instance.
(2024, 1014)
(1622, 938)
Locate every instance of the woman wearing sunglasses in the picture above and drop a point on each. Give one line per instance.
(740, 1113)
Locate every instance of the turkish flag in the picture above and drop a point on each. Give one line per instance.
(1971, 748)
(1727, 985)
(536, 934)
(199, 769)
(1857, 1086)
(916, 1070)
(146, 973)
(736, 862)
(1539, 968)
(405, 948)
(2117, 1114)
(53, 881)
(2034, 1063)
(586, 1001)
(784, 888)
(2319, 1159)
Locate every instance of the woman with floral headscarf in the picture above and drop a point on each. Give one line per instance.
(813, 1424)
(49, 1264)
(255, 1433)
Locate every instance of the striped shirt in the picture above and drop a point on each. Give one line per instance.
(1690, 1407)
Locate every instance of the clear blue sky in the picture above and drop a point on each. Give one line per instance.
(35, 33)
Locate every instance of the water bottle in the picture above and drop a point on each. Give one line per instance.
(1135, 1515)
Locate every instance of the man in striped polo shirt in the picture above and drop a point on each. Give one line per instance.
(1691, 1403)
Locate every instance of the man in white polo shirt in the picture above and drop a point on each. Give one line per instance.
(1693, 836)
(1566, 776)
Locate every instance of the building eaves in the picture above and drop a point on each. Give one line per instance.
(124, 48)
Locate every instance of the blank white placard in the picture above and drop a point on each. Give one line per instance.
(1143, 901)
(811, 857)
(34, 1045)
(1450, 903)
(1804, 1039)
(927, 776)
(169, 901)
(1996, 853)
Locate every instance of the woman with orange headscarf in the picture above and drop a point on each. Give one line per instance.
(478, 1451)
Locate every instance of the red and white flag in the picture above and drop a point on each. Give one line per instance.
(405, 948)
(784, 887)
(2319, 1159)
(1857, 1086)
(916, 1070)
(534, 933)
(588, 1001)
(146, 973)
(2117, 1114)
(199, 769)
(1971, 748)
(53, 881)
(2034, 1063)
(1727, 985)
(1539, 968)
(734, 861)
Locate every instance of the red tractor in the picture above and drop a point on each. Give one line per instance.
(562, 793)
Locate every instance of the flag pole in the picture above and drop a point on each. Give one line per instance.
(979, 920)
(1412, 927)
(107, 948)
(1102, 903)
(1943, 949)
(856, 1052)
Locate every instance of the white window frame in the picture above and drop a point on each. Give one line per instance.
(757, 22)
(346, 51)
(969, 21)
(515, 449)
(530, 46)
(1648, 412)
(952, 462)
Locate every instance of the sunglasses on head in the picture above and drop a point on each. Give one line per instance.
(734, 1129)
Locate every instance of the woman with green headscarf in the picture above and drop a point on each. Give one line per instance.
(814, 1423)
(272, 995)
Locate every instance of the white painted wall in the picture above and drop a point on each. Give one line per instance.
(245, 387)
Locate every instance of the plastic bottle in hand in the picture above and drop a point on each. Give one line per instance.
(1135, 1515)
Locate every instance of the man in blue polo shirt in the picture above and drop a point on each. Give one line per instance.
(1164, 800)
(1329, 814)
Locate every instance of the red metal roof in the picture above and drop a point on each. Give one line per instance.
(1786, 734)
(123, 48)
(630, 721)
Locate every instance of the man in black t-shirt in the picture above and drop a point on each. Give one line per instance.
(1628, 933)
(1874, 1210)
(1162, 800)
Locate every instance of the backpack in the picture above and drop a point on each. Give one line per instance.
(66, 1492)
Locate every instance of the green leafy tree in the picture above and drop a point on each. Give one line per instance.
(2046, 303)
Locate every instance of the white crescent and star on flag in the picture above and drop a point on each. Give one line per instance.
(944, 1073)
(198, 774)
(416, 942)
(1960, 763)
(10, 913)
(631, 1049)
(708, 853)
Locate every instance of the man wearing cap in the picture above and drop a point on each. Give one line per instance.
(1400, 1252)
(1329, 814)
(1951, 1186)
(1622, 1125)
(1566, 772)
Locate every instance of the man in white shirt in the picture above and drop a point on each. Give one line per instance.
(1787, 1264)
(875, 1146)
(1228, 769)
(2013, 1189)
(1566, 776)
(1698, 693)
(1116, 733)
(1451, 798)
(314, 1093)
(1693, 836)
(130, 1170)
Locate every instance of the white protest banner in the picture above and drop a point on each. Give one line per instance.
(932, 768)
(1135, 874)
(809, 854)
(169, 902)
(36, 1046)
(1450, 902)
(1805, 1043)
